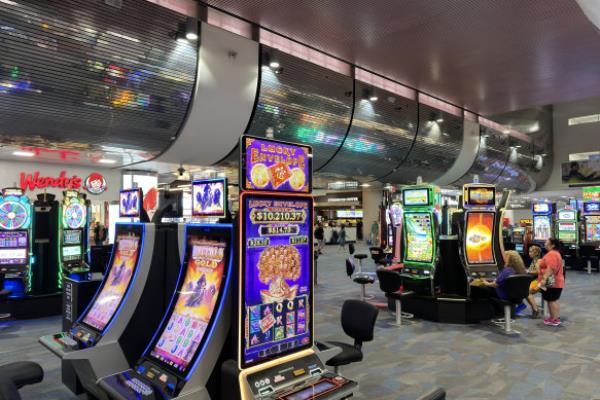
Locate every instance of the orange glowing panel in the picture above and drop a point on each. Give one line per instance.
(479, 238)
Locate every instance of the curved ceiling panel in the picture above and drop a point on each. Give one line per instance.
(381, 134)
(436, 148)
(88, 76)
(303, 103)
(492, 156)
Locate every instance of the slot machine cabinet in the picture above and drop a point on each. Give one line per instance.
(46, 268)
(567, 227)
(72, 235)
(543, 222)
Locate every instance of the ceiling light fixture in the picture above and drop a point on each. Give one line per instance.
(23, 153)
(274, 64)
(373, 98)
(106, 161)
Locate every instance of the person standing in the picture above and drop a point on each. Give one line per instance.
(375, 234)
(342, 239)
(551, 280)
(320, 237)
(535, 253)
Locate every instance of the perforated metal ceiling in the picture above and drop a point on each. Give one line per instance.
(489, 56)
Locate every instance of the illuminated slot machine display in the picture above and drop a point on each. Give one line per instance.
(396, 218)
(209, 198)
(542, 221)
(73, 231)
(276, 359)
(518, 239)
(567, 226)
(419, 223)
(591, 221)
(481, 231)
(15, 240)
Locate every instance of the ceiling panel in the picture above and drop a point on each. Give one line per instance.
(488, 56)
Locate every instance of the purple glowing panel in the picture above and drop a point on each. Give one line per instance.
(275, 166)
(276, 299)
(209, 198)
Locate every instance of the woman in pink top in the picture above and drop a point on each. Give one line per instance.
(551, 268)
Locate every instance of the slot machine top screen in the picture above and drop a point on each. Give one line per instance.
(209, 198)
(116, 283)
(591, 208)
(542, 208)
(567, 215)
(479, 196)
(416, 197)
(272, 165)
(276, 271)
(74, 210)
(185, 330)
(130, 203)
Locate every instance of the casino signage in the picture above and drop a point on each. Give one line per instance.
(94, 183)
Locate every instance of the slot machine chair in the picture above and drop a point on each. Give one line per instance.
(361, 278)
(378, 256)
(358, 322)
(14, 376)
(588, 252)
(434, 394)
(517, 289)
(390, 282)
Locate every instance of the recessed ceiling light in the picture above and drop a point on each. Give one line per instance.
(23, 153)
(274, 64)
(191, 36)
(373, 98)
(106, 161)
(439, 120)
(365, 185)
(506, 131)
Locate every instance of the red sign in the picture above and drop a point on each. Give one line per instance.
(35, 181)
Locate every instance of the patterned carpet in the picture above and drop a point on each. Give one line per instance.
(471, 362)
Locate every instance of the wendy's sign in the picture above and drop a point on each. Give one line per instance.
(94, 183)
(37, 181)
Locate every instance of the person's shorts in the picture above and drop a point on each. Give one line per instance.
(551, 294)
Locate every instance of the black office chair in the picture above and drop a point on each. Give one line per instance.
(15, 375)
(390, 283)
(378, 256)
(516, 288)
(358, 322)
(361, 278)
(589, 253)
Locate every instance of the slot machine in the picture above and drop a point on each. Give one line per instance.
(276, 358)
(183, 352)
(481, 233)
(542, 222)
(112, 331)
(420, 232)
(591, 223)
(396, 218)
(518, 239)
(73, 231)
(567, 227)
(15, 241)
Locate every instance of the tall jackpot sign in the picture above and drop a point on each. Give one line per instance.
(275, 325)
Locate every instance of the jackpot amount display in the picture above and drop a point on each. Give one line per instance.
(116, 283)
(277, 276)
(478, 240)
(195, 305)
(419, 237)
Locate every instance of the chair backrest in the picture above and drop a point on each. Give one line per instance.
(358, 320)
(586, 250)
(376, 253)
(350, 266)
(516, 287)
(389, 281)
(351, 248)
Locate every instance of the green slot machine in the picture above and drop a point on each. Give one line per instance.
(420, 226)
(73, 231)
(567, 227)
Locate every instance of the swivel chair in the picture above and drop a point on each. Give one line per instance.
(362, 279)
(15, 375)
(378, 256)
(390, 282)
(358, 322)
(516, 288)
(589, 252)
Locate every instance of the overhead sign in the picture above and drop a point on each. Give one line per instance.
(591, 193)
(95, 183)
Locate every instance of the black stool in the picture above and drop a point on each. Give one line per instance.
(15, 375)
(390, 283)
(588, 252)
(360, 257)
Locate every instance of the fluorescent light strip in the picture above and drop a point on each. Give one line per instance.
(106, 161)
(120, 35)
(23, 153)
(585, 119)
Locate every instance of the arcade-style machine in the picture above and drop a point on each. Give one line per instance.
(482, 234)
(15, 242)
(275, 333)
(112, 331)
(543, 215)
(420, 230)
(591, 222)
(567, 227)
(73, 233)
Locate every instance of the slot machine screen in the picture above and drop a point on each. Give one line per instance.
(130, 203)
(14, 247)
(415, 197)
(480, 196)
(276, 293)
(567, 231)
(419, 237)
(542, 208)
(207, 257)
(71, 237)
(567, 215)
(209, 198)
(591, 207)
(479, 238)
(519, 247)
(592, 228)
(542, 227)
(118, 280)
(71, 253)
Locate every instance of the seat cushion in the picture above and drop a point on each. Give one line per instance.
(364, 279)
(5, 292)
(348, 355)
(22, 373)
(360, 256)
